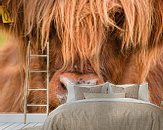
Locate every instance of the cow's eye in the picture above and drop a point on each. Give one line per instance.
(119, 18)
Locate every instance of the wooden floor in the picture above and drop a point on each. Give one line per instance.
(16, 121)
(17, 126)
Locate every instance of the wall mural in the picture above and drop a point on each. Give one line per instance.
(91, 42)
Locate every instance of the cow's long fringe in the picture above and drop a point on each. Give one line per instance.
(83, 26)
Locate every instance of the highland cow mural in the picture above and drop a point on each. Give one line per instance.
(120, 41)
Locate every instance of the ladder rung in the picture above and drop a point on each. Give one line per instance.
(37, 89)
(36, 105)
(38, 55)
(38, 71)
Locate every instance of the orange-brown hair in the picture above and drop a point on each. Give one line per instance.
(119, 40)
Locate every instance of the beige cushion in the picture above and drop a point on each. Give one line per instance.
(103, 95)
(79, 90)
(131, 91)
(76, 92)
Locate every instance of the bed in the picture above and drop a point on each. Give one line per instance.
(106, 107)
(105, 114)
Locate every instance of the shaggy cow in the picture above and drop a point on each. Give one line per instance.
(108, 40)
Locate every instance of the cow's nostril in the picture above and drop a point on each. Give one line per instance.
(83, 82)
(63, 86)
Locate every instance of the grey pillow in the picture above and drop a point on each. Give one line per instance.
(79, 90)
(76, 92)
(131, 90)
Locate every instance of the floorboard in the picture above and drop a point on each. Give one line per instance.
(30, 125)
(18, 126)
(3, 127)
(12, 127)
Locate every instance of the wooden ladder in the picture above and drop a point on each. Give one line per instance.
(28, 71)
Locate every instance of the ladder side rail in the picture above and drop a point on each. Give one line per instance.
(26, 82)
(47, 110)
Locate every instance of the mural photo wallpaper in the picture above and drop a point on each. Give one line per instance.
(90, 42)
